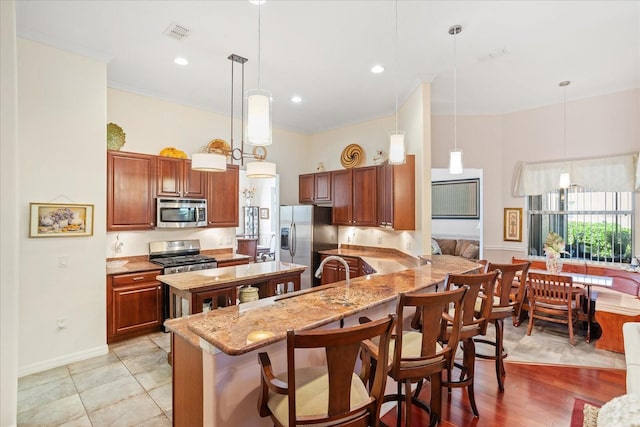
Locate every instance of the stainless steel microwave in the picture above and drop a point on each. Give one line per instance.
(181, 213)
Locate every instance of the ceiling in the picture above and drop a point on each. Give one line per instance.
(511, 55)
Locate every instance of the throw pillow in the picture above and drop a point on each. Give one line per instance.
(471, 252)
(435, 248)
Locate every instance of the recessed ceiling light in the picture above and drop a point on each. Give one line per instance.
(257, 2)
(296, 99)
(181, 61)
(377, 69)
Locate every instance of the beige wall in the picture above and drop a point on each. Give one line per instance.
(61, 159)
(9, 214)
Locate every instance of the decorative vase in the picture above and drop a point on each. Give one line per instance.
(554, 263)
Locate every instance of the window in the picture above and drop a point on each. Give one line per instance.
(596, 226)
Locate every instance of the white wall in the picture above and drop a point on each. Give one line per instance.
(61, 159)
(151, 124)
(9, 215)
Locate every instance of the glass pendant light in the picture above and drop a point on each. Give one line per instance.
(455, 155)
(397, 149)
(565, 178)
(259, 101)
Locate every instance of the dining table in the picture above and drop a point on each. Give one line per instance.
(587, 281)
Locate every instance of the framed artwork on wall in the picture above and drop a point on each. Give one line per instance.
(264, 213)
(513, 224)
(60, 220)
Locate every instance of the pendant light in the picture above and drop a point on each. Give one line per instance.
(397, 149)
(455, 155)
(259, 107)
(565, 178)
(208, 162)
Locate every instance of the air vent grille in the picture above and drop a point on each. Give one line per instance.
(175, 31)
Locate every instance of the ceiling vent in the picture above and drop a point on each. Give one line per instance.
(176, 31)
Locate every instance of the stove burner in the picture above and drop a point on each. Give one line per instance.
(172, 261)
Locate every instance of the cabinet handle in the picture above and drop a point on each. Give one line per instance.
(158, 287)
(138, 278)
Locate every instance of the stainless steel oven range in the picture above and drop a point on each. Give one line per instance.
(178, 256)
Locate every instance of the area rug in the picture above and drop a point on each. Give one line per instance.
(549, 344)
(584, 413)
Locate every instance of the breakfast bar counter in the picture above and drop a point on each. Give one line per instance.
(216, 374)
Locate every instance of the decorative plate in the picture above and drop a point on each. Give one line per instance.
(352, 156)
(173, 152)
(115, 137)
(219, 146)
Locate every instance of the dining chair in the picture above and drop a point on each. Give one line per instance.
(416, 355)
(507, 302)
(552, 298)
(474, 323)
(331, 394)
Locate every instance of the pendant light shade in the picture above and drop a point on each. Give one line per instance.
(565, 180)
(208, 162)
(261, 169)
(397, 152)
(455, 162)
(258, 117)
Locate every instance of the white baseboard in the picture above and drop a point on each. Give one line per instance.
(62, 360)
(457, 236)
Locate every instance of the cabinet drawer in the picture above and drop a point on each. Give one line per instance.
(133, 278)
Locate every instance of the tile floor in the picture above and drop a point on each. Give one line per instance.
(129, 386)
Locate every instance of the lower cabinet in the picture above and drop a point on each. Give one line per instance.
(334, 271)
(134, 305)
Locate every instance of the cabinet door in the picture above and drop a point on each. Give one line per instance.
(365, 207)
(384, 202)
(222, 197)
(134, 305)
(341, 194)
(194, 182)
(306, 184)
(131, 181)
(322, 187)
(330, 273)
(401, 195)
(169, 177)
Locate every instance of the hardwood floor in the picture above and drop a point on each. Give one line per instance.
(535, 395)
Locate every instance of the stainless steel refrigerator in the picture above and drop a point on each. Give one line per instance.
(305, 230)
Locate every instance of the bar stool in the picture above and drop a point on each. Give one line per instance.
(479, 289)
(329, 395)
(416, 355)
(504, 307)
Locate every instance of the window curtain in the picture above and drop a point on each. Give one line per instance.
(618, 173)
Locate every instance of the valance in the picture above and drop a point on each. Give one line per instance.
(617, 173)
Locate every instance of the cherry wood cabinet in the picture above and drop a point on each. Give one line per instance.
(334, 271)
(134, 305)
(214, 299)
(396, 186)
(223, 197)
(177, 179)
(354, 196)
(314, 187)
(131, 190)
(231, 262)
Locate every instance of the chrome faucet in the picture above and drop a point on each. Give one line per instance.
(333, 258)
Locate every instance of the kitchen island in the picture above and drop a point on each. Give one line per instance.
(204, 290)
(216, 372)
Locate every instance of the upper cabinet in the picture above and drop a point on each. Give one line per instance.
(396, 195)
(354, 196)
(131, 182)
(176, 179)
(314, 188)
(223, 190)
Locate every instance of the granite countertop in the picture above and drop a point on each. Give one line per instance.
(140, 263)
(228, 328)
(228, 275)
(383, 261)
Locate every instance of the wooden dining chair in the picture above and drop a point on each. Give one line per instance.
(506, 303)
(474, 323)
(552, 298)
(417, 355)
(331, 394)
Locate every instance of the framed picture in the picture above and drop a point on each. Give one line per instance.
(513, 224)
(264, 213)
(60, 220)
(456, 199)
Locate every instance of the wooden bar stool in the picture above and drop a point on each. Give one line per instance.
(332, 394)
(504, 306)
